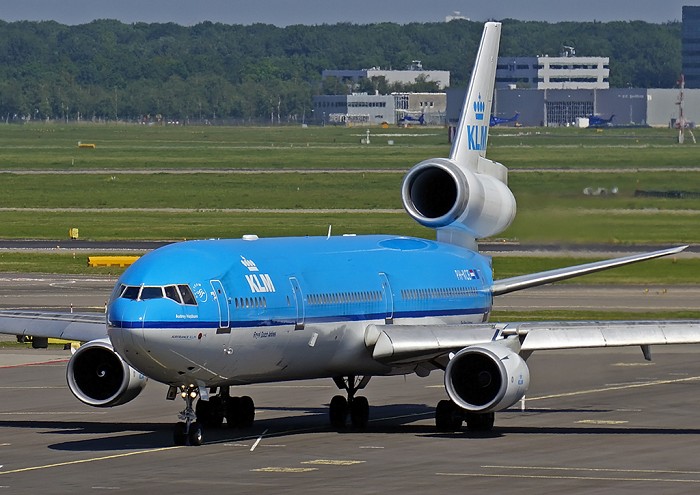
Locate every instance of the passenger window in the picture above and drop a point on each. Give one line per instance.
(187, 296)
(172, 293)
(131, 292)
(151, 293)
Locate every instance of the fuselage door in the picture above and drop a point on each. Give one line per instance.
(219, 295)
(388, 298)
(298, 302)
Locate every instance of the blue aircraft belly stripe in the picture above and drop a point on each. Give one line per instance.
(311, 319)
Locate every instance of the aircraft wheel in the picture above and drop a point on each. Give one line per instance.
(338, 411)
(246, 415)
(359, 412)
(480, 422)
(196, 434)
(448, 417)
(179, 435)
(210, 413)
(233, 412)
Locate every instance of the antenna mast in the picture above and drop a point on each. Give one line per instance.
(681, 123)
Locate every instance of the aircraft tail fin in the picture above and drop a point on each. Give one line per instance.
(471, 138)
(465, 197)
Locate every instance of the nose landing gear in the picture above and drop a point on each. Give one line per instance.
(239, 412)
(188, 429)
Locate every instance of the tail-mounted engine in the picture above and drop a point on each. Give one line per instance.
(97, 376)
(487, 377)
(441, 195)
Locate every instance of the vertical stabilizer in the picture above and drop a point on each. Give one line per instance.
(472, 133)
(465, 197)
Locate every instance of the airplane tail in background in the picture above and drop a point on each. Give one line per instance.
(465, 197)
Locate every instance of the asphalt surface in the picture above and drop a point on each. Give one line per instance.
(488, 247)
(602, 421)
(594, 422)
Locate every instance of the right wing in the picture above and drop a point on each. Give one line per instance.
(83, 327)
(414, 344)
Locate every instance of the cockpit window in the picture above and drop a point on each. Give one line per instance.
(151, 293)
(131, 292)
(187, 296)
(181, 294)
(171, 292)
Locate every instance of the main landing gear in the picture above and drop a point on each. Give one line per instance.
(239, 412)
(355, 407)
(449, 417)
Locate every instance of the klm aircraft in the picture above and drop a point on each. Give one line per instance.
(205, 316)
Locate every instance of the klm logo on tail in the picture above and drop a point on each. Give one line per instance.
(479, 108)
(477, 135)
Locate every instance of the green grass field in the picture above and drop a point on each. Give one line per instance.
(127, 186)
(142, 182)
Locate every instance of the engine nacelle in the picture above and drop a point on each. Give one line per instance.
(98, 377)
(438, 194)
(488, 377)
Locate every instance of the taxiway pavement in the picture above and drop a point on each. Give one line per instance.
(594, 421)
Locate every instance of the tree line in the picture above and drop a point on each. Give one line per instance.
(110, 70)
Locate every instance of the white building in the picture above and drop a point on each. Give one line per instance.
(355, 109)
(408, 76)
(567, 72)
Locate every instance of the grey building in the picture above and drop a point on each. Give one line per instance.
(691, 46)
(552, 107)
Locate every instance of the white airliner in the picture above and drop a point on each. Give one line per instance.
(205, 316)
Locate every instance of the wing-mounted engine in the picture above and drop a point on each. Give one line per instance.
(98, 377)
(440, 194)
(487, 377)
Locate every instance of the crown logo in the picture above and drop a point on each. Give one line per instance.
(479, 107)
(250, 265)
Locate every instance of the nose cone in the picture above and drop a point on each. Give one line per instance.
(125, 319)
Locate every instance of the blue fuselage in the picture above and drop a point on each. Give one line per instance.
(252, 310)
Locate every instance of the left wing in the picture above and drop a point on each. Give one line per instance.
(83, 327)
(520, 282)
